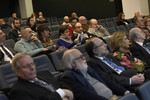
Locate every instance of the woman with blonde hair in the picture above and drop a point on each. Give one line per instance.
(120, 47)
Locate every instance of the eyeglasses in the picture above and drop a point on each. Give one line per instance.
(81, 57)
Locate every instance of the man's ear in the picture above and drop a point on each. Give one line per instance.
(74, 64)
(94, 51)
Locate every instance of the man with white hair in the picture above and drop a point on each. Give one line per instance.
(66, 21)
(97, 30)
(140, 51)
(86, 84)
(83, 21)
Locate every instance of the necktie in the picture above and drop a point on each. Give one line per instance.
(6, 52)
(44, 84)
(113, 64)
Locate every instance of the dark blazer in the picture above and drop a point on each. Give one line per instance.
(25, 90)
(106, 72)
(9, 45)
(13, 34)
(139, 52)
(83, 90)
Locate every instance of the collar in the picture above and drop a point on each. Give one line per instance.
(140, 43)
(99, 57)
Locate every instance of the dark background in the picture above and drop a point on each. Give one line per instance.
(59, 8)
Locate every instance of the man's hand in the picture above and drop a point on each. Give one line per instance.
(69, 94)
(137, 79)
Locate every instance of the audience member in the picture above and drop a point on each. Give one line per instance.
(14, 33)
(138, 48)
(31, 23)
(35, 86)
(74, 15)
(43, 34)
(83, 21)
(108, 67)
(3, 25)
(42, 20)
(86, 84)
(6, 50)
(29, 43)
(147, 23)
(72, 22)
(34, 16)
(121, 19)
(97, 30)
(14, 16)
(139, 23)
(120, 47)
(65, 40)
(79, 34)
(66, 21)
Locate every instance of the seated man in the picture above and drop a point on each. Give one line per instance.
(6, 50)
(32, 86)
(14, 33)
(97, 30)
(83, 21)
(138, 48)
(29, 43)
(3, 25)
(86, 84)
(79, 34)
(97, 51)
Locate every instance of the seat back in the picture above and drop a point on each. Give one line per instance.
(42, 62)
(3, 97)
(7, 76)
(56, 58)
(129, 97)
(143, 92)
(111, 30)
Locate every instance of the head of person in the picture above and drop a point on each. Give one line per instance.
(16, 23)
(96, 47)
(2, 21)
(40, 14)
(26, 33)
(74, 15)
(43, 32)
(14, 15)
(64, 31)
(139, 21)
(119, 41)
(72, 21)
(94, 24)
(137, 13)
(137, 35)
(74, 59)
(82, 20)
(33, 15)
(147, 21)
(78, 27)
(2, 36)
(23, 66)
(121, 16)
(66, 19)
(30, 21)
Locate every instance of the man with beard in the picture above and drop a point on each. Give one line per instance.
(108, 67)
(85, 83)
(29, 43)
(14, 33)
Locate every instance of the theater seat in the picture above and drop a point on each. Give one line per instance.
(3, 97)
(143, 92)
(42, 62)
(129, 97)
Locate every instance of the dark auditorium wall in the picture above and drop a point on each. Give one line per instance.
(89, 8)
(8, 7)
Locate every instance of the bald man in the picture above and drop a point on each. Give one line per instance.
(83, 21)
(97, 30)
